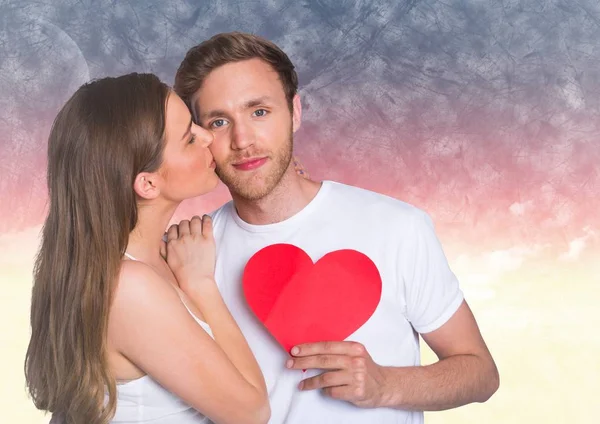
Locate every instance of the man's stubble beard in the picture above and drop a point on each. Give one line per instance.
(259, 186)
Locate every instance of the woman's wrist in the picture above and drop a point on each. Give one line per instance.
(199, 286)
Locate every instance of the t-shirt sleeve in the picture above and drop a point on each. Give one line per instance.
(431, 290)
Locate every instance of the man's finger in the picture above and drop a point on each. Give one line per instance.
(323, 362)
(329, 348)
(347, 393)
(327, 379)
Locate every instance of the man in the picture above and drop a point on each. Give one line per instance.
(244, 89)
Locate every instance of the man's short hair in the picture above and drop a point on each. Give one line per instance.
(230, 47)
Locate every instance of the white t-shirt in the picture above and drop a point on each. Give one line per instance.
(420, 292)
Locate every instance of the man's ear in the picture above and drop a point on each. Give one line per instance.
(145, 185)
(296, 113)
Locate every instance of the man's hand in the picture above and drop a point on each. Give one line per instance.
(351, 374)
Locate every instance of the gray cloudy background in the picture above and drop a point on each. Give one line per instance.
(465, 108)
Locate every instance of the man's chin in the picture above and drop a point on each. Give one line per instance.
(251, 187)
(252, 192)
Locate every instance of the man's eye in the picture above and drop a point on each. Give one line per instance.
(260, 112)
(218, 123)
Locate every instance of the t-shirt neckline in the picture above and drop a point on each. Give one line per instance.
(289, 222)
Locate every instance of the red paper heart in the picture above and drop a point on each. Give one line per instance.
(301, 302)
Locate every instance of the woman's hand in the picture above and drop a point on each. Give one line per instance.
(191, 252)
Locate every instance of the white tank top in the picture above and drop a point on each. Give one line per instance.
(143, 400)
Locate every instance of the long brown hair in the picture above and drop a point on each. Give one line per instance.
(108, 132)
(229, 47)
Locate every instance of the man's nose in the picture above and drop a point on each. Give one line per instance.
(242, 136)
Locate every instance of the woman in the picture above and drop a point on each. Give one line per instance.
(120, 334)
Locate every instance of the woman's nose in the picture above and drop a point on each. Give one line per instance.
(205, 137)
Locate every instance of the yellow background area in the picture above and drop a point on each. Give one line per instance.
(540, 324)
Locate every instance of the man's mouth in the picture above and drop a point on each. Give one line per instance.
(250, 163)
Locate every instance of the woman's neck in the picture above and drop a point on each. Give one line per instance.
(146, 238)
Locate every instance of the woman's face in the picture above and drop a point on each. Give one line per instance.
(188, 169)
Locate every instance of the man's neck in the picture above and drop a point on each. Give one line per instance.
(291, 195)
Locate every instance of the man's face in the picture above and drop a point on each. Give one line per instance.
(245, 107)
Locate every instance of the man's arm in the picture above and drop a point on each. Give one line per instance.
(465, 372)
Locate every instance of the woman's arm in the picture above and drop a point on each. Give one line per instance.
(151, 327)
(191, 256)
